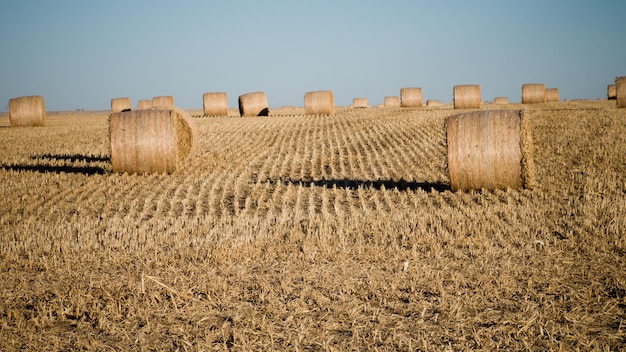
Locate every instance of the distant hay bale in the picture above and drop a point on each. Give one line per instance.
(411, 97)
(392, 101)
(533, 93)
(163, 102)
(320, 102)
(253, 104)
(27, 111)
(434, 103)
(467, 96)
(620, 91)
(611, 93)
(552, 95)
(121, 104)
(490, 149)
(150, 141)
(360, 103)
(501, 100)
(144, 104)
(215, 103)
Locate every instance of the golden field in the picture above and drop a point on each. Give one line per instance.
(295, 232)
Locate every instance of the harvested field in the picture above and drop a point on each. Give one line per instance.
(314, 233)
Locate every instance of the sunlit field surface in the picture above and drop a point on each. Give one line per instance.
(314, 233)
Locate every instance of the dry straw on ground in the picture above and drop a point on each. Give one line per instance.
(163, 102)
(501, 100)
(150, 141)
(320, 102)
(434, 103)
(253, 104)
(490, 149)
(533, 93)
(121, 104)
(360, 103)
(467, 96)
(144, 104)
(215, 104)
(620, 91)
(552, 95)
(411, 97)
(611, 93)
(27, 111)
(392, 101)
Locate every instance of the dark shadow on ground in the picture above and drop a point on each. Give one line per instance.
(352, 184)
(85, 170)
(73, 157)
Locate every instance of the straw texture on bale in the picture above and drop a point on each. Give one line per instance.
(392, 101)
(411, 97)
(467, 96)
(611, 93)
(490, 149)
(150, 141)
(433, 103)
(552, 95)
(27, 111)
(320, 102)
(533, 93)
(620, 91)
(121, 104)
(163, 102)
(360, 103)
(215, 103)
(501, 100)
(144, 104)
(253, 104)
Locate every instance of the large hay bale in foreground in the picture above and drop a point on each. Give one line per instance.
(144, 104)
(150, 141)
(490, 149)
(320, 102)
(620, 91)
(392, 101)
(411, 97)
(611, 93)
(163, 102)
(501, 100)
(121, 104)
(215, 104)
(552, 95)
(467, 96)
(360, 103)
(533, 93)
(27, 111)
(253, 104)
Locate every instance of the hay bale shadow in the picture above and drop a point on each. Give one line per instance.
(355, 184)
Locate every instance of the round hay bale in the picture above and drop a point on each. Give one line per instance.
(215, 103)
(552, 95)
(27, 111)
(392, 101)
(360, 103)
(533, 93)
(253, 104)
(163, 102)
(434, 103)
(320, 102)
(620, 91)
(501, 100)
(467, 96)
(150, 141)
(611, 93)
(490, 149)
(144, 104)
(411, 97)
(121, 104)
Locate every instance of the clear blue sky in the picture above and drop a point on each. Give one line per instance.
(79, 54)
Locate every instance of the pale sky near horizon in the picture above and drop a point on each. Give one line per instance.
(78, 54)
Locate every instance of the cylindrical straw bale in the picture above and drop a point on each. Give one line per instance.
(215, 103)
(121, 104)
(253, 104)
(411, 97)
(360, 103)
(320, 102)
(533, 93)
(27, 111)
(620, 91)
(144, 104)
(501, 100)
(552, 95)
(467, 96)
(150, 141)
(611, 93)
(392, 101)
(163, 102)
(433, 103)
(490, 149)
